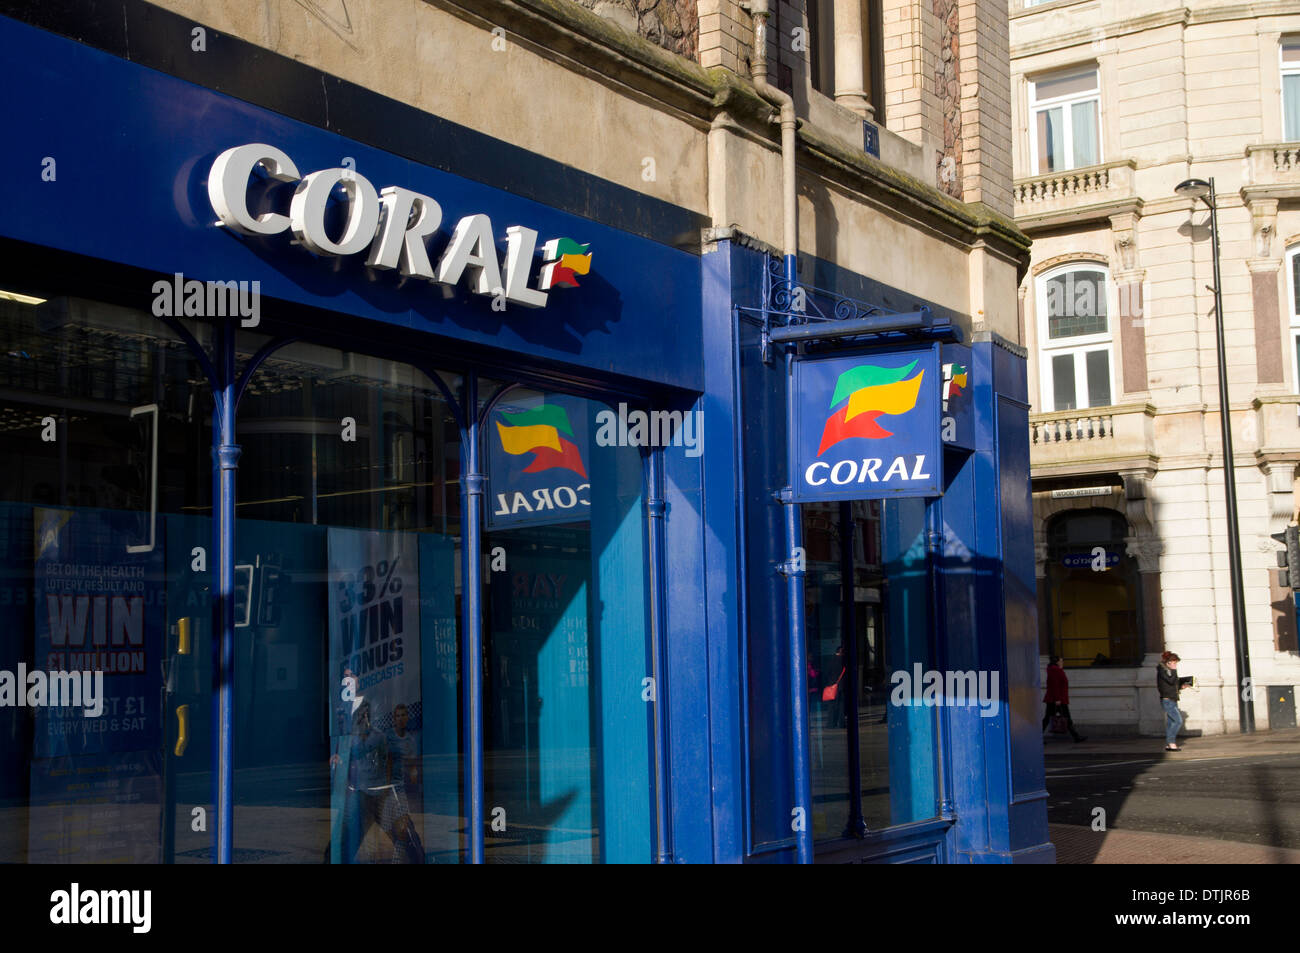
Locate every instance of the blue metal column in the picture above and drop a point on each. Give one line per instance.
(794, 573)
(225, 460)
(655, 508)
(471, 514)
(794, 570)
(939, 647)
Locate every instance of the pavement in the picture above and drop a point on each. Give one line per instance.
(1083, 845)
(1079, 844)
(1284, 741)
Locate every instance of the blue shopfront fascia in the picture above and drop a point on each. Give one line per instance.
(128, 157)
(133, 148)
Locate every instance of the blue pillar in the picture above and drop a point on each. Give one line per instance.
(471, 513)
(225, 461)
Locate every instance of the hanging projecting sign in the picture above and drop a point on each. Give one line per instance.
(538, 460)
(392, 225)
(867, 426)
(956, 410)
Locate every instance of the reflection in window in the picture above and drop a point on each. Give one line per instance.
(861, 628)
(568, 722)
(347, 539)
(92, 579)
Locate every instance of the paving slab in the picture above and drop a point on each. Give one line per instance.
(1082, 845)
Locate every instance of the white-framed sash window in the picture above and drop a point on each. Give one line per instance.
(1290, 66)
(1065, 121)
(1075, 343)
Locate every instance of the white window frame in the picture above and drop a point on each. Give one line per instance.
(1037, 106)
(1293, 315)
(1080, 345)
(1284, 70)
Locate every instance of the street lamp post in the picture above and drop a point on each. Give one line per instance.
(1203, 190)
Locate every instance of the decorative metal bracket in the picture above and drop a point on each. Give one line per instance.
(793, 312)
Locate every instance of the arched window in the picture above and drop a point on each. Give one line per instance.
(1074, 337)
(1092, 590)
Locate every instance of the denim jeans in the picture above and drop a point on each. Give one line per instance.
(1173, 720)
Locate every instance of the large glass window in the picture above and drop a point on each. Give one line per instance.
(105, 430)
(348, 597)
(346, 544)
(1064, 110)
(867, 593)
(1075, 339)
(568, 702)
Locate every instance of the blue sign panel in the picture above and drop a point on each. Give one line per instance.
(538, 453)
(870, 139)
(867, 426)
(956, 407)
(1098, 562)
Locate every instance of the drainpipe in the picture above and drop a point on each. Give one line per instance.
(794, 528)
(758, 9)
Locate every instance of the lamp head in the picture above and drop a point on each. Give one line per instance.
(1193, 189)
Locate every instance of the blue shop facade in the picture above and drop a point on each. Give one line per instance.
(387, 493)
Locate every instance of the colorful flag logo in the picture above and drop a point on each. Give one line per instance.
(868, 392)
(954, 382)
(540, 431)
(563, 260)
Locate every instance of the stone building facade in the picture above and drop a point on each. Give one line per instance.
(1113, 108)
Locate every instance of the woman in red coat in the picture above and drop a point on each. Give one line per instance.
(1057, 697)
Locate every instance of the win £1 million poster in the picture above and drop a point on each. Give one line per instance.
(96, 783)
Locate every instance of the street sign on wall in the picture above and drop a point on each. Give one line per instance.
(866, 426)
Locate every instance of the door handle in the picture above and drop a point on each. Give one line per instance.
(182, 729)
(183, 635)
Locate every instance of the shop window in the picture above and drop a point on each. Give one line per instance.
(1290, 66)
(861, 629)
(1064, 111)
(568, 716)
(347, 733)
(1075, 341)
(346, 541)
(1293, 311)
(105, 430)
(1092, 590)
